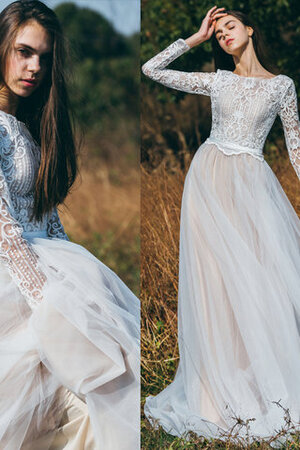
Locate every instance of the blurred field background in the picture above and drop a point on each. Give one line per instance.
(173, 125)
(102, 212)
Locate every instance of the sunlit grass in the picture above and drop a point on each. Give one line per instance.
(102, 212)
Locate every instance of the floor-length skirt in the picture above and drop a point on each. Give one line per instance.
(69, 367)
(238, 303)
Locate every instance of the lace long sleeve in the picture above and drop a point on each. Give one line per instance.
(191, 82)
(290, 120)
(16, 253)
(55, 228)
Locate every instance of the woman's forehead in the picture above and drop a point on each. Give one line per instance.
(35, 36)
(224, 21)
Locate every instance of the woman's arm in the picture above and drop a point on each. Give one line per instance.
(55, 227)
(290, 120)
(191, 82)
(15, 252)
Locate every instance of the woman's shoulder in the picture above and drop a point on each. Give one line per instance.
(7, 129)
(6, 119)
(9, 123)
(286, 86)
(286, 79)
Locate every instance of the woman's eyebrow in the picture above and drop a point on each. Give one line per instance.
(219, 31)
(30, 48)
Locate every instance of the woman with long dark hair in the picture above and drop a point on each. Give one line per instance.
(239, 282)
(69, 327)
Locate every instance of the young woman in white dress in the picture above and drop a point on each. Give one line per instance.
(239, 281)
(69, 327)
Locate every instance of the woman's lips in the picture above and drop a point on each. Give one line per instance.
(29, 83)
(229, 41)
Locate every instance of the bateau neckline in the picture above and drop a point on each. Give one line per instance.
(11, 115)
(252, 78)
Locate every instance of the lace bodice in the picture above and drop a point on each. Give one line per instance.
(243, 108)
(19, 164)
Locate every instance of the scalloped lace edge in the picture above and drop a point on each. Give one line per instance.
(260, 158)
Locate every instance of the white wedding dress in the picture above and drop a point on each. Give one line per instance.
(69, 327)
(239, 263)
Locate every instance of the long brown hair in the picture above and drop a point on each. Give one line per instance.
(225, 61)
(46, 112)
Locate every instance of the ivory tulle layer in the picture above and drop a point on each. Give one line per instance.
(83, 338)
(238, 304)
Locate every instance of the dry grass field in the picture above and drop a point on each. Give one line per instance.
(102, 212)
(160, 218)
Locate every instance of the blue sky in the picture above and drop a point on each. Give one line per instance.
(123, 14)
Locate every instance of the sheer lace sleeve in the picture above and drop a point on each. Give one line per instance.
(290, 120)
(15, 252)
(55, 227)
(191, 82)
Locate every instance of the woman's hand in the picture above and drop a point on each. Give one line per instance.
(207, 27)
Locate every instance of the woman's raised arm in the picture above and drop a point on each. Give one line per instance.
(191, 82)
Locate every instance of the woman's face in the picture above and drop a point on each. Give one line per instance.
(28, 59)
(231, 34)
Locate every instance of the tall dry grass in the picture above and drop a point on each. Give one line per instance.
(161, 192)
(160, 220)
(102, 212)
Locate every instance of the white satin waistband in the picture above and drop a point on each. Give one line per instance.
(235, 148)
(37, 233)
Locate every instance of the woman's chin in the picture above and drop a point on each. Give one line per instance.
(23, 92)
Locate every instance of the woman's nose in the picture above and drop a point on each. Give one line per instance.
(34, 63)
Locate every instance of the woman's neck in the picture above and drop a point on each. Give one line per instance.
(8, 100)
(246, 63)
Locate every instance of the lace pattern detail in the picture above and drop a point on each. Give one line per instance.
(233, 149)
(191, 82)
(243, 108)
(290, 120)
(55, 228)
(20, 160)
(19, 164)
(15, 252)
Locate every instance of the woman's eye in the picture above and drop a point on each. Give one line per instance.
(23, 52)
(229, 29)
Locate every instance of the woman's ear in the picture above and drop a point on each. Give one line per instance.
(250, 31)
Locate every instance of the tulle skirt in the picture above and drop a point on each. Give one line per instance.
(69, 367)
(238, 303)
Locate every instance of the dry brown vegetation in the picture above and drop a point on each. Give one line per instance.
(160, 219)
(104, 198)
(102, 212)
(160, 216)
(169, 131)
